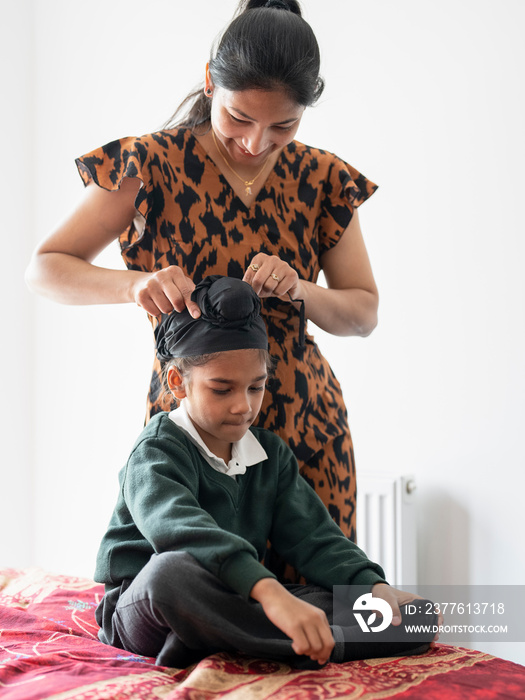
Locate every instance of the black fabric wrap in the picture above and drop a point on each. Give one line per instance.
(230, 320)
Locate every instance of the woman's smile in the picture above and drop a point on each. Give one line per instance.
(252, 124)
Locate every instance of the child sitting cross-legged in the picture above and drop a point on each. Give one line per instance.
(201, 495)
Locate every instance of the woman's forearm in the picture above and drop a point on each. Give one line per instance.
(62, 265)
(67, 279)
(341, 312)
(349, 303)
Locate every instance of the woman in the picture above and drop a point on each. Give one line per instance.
(226, 189)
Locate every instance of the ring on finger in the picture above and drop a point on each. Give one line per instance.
(254, 267)
(274, 276)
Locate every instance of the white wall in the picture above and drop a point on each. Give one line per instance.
(426, 98)
(17, 336)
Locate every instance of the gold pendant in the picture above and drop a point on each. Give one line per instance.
(248, 190)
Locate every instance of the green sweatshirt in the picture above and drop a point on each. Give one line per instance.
(171, 499)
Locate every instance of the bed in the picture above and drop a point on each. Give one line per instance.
(49, 649)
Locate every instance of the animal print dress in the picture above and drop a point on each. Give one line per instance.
(188, 215)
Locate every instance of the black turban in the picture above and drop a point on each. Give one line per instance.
(230, 320)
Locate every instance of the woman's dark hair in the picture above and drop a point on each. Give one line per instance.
(267, 45)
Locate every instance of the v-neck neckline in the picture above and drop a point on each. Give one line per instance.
(223, 177)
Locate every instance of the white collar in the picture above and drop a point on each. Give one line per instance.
(246, 452)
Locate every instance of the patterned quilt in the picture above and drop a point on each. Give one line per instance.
(49, 649)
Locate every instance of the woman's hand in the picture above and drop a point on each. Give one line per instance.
(164, 291)
(347, 306)
(306, 625)
(272, 277)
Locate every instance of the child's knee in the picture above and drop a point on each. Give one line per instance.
(169, 572)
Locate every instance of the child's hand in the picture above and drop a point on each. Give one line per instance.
(305, 624)
(395, 597)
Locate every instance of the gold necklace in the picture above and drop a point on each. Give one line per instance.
(247, 183)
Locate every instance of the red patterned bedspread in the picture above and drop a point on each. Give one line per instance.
(49, 649)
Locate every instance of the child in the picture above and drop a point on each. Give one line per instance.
(200, 496)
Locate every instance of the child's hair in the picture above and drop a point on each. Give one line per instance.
(184, 365)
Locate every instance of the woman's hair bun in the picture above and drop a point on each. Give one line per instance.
(290, 5)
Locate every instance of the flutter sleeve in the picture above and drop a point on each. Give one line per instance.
(108, 165)
(345, 188)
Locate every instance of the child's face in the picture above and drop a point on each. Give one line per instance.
(224, 396)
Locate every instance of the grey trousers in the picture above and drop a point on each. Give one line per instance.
(178, 612)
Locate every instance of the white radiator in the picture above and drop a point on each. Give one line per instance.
(386, 525)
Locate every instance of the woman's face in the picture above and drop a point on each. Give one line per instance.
(252, 124)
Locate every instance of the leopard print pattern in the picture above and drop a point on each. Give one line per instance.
(188, 215)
